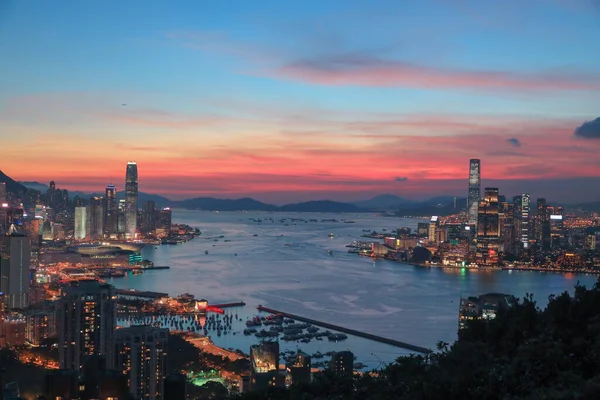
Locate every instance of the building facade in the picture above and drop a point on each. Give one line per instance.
(474, 194)
(141, 355)
(15, 260)
(488, 228)
(80, 223)
(131, 199)
(110, 210)
(86, 321)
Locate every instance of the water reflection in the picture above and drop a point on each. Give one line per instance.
(290, 268)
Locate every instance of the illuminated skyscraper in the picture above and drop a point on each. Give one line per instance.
(15, 253)
(80, 222)
(110, 210)
(488, 228)
(131, 199)
(95, 217)
(86, 321)
(141, 355)
(525, 205)
(474, 190)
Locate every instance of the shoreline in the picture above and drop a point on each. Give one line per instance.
(532, 269)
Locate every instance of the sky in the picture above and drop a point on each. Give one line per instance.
(290, 101)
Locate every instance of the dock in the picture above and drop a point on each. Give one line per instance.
(142, 294)
(229, 305)
(352, 332)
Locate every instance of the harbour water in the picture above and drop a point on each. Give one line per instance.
(286, 265)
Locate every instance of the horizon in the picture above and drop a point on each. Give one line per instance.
(293, 200)
(264, 101)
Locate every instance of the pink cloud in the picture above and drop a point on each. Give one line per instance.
(366, 70)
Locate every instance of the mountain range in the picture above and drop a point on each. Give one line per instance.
(441, 205)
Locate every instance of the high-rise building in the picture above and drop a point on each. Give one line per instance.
(3, 193)
(131, 199)
(300, 369)
(163, 222)
(488, 228)
(474, 194)
(110, 210)
(86, 320)
(141, 355)
(264, 366)
(95, 216)
(2, 318)
(524, 220)
(15, 253)
(80, 222)
(342, 362)
(40, 325)
(52, 194)
(543, 224)
(149, 217)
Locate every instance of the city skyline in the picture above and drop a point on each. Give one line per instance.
(265, 101)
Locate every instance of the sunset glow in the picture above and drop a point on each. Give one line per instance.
(233, 99)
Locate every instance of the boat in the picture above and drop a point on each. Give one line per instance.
(205, 251)
(330, 252)
(331, 235)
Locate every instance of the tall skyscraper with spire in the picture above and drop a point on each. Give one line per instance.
(474, 195)
(131, 199)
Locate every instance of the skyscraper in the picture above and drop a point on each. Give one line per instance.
(542, 222)
(488, 228)
(141, 355)
(149, 216)
(110, 210)
(86, 320)
(131, 199)
(3, 193)
(81, 222)
(15, 253)
(474, 194)
(525, 206)
(95, 216)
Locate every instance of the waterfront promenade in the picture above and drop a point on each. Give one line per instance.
(353, 332)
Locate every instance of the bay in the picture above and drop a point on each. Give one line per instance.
(287, 266)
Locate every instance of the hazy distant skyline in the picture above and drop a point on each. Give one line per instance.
(311, 100)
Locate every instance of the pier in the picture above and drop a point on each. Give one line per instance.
(229, 305)
(138, 293)
(352, 332)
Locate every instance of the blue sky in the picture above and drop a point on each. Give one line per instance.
(339, 91)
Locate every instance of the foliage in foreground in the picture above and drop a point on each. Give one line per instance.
(525, 353)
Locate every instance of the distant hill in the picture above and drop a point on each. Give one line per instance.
(213, 204)
(321, 206)
(13, 186)
(383, 202)
(18, 192)
(40, 187)
(442, 205)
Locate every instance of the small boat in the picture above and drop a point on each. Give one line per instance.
(330, 252)
(331, 235)
(205, 251)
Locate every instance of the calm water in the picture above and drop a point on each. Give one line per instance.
(289, 268)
